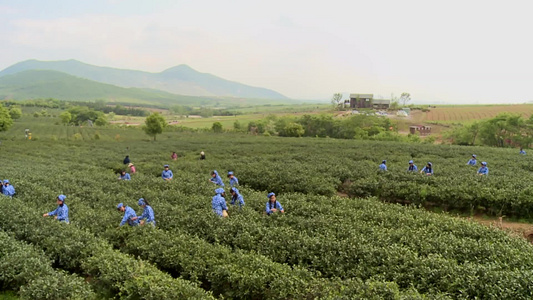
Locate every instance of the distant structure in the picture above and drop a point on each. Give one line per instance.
(423, 130)
(368, 101)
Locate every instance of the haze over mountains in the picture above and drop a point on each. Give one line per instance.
(29, 78)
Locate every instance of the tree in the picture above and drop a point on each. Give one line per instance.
(336, 100)
(65, 117)
(217, 127)
(404, 98)
(294, 130)
(15, 113)
(154, 124)
(101, 121)
(237, 126)
(5, 119)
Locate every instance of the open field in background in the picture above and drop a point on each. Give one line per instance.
(467, 113)
(247, 114)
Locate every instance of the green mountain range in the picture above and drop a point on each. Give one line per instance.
(182, 79)
(43, 84)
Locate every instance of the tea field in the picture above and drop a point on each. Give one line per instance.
(323, 247)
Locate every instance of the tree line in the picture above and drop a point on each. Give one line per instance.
(504, 130)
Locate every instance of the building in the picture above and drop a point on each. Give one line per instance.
(368, 101)
(421, 129)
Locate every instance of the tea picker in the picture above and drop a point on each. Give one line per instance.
(129, 215)
(218, 204)
(236, 197)
(216, 179)
(61, 212)
(233, 181)
(8, 189)
(148, 213)
(167, 173)
(272, 205)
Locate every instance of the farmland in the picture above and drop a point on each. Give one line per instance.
(325, 246)
(465, 113)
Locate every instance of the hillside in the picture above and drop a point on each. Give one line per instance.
(181, 79)
(52, 84)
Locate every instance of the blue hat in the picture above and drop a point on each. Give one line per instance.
(473, 155)
(165, 166)
(411, 162)
(234, 189)
(484, 163)
(230, 173)
(61, 198)
(141, 202)
(119, 205)
(270, 195)
(6, 181)
(430, 164)
(219, 191)
(384, 161)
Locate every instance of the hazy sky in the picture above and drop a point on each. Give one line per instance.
(471, 51)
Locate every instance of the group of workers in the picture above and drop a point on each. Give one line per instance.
(428, 169)
(130, 217)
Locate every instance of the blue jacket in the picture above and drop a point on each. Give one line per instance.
(167, 174)
(125, 177)
(383, 167)
(522, 152)
(8, 190)
(414, 168)
(237, 198)
(129, 214)
(427, 170)
(483, 170)
(61, 212)
(219, 204)
(269, 207)
(217, 180)
(472, 162)
(148, 214)
(233, 181)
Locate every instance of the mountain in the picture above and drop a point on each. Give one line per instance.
(181, 79)
(32, 84)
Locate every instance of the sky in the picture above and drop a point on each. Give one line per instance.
(438, 51)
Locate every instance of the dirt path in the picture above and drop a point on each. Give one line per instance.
(519, 229)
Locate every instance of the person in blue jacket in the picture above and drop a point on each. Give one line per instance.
(148, 213)
(472, 161)
(273, 205)
(216, 179)
(412, 167)
(8, 189)
(428, 169)
(233, 181)
(483, 170)
(129, 215)
(218, 204)
(124, 176)
(522, 151)
(236, 197)
(61, 212)
(383, 166)
(167, 174)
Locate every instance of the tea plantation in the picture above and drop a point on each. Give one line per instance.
(324, 246)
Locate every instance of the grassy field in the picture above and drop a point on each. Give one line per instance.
(246, 115)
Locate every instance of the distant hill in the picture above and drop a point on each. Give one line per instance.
(182, 79)
(33, 84)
